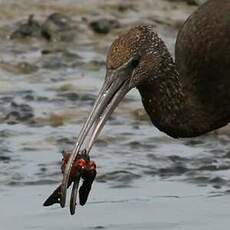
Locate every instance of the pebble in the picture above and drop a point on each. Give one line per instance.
(103, 25)
(59, 27)
(19, 113)
(31, 28)
(190, 2)
(56, 120)
(19, 68)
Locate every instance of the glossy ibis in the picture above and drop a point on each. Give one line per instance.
(185, 98)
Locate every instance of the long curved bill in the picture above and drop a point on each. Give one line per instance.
(73, 198)
(111, 93)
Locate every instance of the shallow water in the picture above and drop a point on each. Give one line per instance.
(145, 179)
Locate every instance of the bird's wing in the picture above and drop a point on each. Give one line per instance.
(203, 57)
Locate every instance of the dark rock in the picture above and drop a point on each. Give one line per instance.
(31, 28)
(201, 180)
(70, 96)
(6, 99)
(121, 177)
(190, 2)
(227, 192)
(28, 97)
(65, 140)
(177, 159)
(87, 97)
(194, 142)
(124, 6)
(48, 51)
(58, 58)
(213, 167)
(103, 25)
(19, 113)
(227, 155)
(98, 227)
(59, 27)
(5, 159)
(218, 181)
(173, 171)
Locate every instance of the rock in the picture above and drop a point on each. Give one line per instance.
(72, 96)
(121, 178)
(94, 65)
(103, 25)
(19, 113)
(66, 87)
(59, 27)
(190, 2)
(54, 59)
(87, 97)
(26, 67)
(31, 28)
(140, 115)
(5, 159)
(6, 99)
(227, 155)
(19, 68)
(63, 51)
(125, 6)
(217, 180)
(51, 50)
(56, 120)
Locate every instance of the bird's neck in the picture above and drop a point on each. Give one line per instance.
(172, 108)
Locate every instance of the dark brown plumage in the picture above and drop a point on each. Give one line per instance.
(189, 97)
(185, 98)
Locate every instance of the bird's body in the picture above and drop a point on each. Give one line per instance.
(194, 95)
(185, 98)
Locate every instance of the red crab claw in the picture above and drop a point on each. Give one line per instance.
(83, 169)
(55, 196)
(88, 177)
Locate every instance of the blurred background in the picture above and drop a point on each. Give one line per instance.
(52, 64)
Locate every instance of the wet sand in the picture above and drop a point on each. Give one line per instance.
(145, 179)
(157, 205)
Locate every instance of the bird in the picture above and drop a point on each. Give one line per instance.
(187, 97)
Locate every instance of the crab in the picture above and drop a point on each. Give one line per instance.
(82, 169)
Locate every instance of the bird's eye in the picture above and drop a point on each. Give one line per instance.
(135, 62)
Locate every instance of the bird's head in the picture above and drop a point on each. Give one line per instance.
(135, 56)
